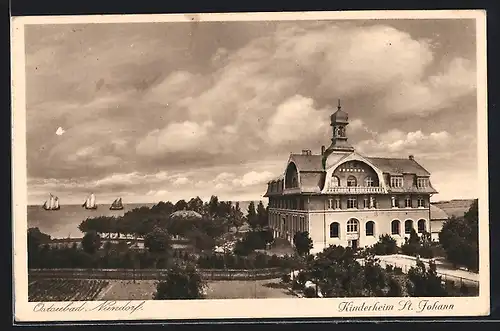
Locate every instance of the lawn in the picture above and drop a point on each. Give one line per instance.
(128, 290)
(247, 289)
(145, 289)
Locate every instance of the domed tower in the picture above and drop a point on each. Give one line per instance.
(338, 121)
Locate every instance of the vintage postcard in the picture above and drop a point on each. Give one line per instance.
(250, 165)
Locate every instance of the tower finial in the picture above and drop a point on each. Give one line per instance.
(338, 107)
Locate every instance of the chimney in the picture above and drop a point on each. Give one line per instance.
(411, 157)
(323, 150)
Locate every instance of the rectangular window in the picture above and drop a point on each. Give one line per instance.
(420, 202)
(394, 202)
(337, 203)
(422, 182)
(408, 202)
(397, 181)
(330, 203)
(352, 202)
(366, 202)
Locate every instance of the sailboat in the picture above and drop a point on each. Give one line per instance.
(90, 202)
(117, 204)
(52, 203)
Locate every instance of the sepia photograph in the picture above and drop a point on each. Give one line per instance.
(257, 165)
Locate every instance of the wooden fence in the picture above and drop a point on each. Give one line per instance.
(156, 274)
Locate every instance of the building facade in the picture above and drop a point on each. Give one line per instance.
(344, 198)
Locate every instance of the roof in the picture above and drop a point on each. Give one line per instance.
(437, 213)
(185, 214)
(311, 162)
(398, 166)
(457, 207)
(340, 116)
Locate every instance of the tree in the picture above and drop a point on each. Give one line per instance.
(213, 206)
(303, 243)
(181, 205)
(261, 219)
(237, 217)
(180, 282)
(459, 238)
(336, 272)
(157, 241)
(91, 242)
(35, 239)
(201, 240)
(252, 215)
(196, 204)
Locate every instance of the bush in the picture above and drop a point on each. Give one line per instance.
(286, 278)
(389, 268)
(426, 282)
(395, 288)
(310, 292)
(296, 286)
(398, 270)
(385, 246)
(181, 282)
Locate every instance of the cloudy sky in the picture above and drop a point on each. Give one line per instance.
(163, 111)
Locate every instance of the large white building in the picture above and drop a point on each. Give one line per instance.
(344, 198)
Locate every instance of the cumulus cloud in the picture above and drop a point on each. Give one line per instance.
(180, 181)
(435, 92)
(295, 119)
(397, 142)
(161, 98)
(253, 178)
(176, 137)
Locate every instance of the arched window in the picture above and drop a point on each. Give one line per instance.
(421, 226)
(352, 225)
(395, 227)
(368, 181)
(408, 226)
(335, 181)
(334, 230)
(370, 228)
(351, 181)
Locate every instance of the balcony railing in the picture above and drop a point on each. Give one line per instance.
(292, 190)
(356, 189)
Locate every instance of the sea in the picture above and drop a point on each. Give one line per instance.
(63, 223)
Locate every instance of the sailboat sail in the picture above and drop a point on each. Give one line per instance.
(52, 203)
(90, 202)
(117, 204)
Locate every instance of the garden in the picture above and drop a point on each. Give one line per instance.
(65, 289)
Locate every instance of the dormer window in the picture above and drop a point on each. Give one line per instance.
(335, 181)
(351, 181)
(396, 181)
(368, 181)
(422, 182)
